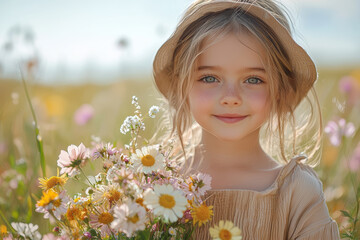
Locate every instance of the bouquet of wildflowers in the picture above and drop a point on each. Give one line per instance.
(139, 194)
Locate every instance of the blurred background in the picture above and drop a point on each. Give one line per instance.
(84, 60)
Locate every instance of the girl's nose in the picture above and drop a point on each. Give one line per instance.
(231, 96)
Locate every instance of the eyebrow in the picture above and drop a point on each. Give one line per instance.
(259, 69)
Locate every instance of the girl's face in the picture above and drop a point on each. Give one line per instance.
(230, 93)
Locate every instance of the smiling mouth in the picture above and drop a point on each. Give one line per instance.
(230, 119)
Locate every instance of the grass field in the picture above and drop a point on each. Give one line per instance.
(55, 107)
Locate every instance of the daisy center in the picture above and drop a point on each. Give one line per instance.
(225, 234)
(52, 182)
(148, 160)
(134, 219)
(167, 201)
(112, 195)
(73, 213)
(57, 202)
(140, 201)
(105, 218)
(203, 213)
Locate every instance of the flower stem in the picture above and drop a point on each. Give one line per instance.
(6, 221)
(37, 136)
(86, 177)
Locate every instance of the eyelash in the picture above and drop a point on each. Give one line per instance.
(250, 77)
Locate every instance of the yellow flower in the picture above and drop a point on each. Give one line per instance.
(113, 195)
(3, 230)
(225, 231)
(201, 214)
(47, 183)
(73, 213)
(49, 197)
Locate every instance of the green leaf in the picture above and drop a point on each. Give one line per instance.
(345, 235)
(346, 214)
(143, 235)
(42, 155)
(29, 213)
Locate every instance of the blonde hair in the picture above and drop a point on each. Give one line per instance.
(287, 128)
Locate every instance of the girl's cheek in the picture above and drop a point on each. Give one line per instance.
(260, 99)
(200, 96)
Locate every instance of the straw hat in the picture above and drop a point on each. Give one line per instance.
(303, 67)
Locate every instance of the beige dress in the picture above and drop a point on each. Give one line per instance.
(293, 207)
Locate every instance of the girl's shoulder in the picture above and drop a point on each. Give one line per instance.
(302, 180)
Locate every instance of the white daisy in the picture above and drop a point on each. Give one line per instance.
(129, 217)
(166, 202)
(26, 230)
(172, 231)
(225, 230)
(148, 159)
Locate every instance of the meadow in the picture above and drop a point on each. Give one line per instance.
(74, 114)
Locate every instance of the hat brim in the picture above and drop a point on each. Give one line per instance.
(303, 67)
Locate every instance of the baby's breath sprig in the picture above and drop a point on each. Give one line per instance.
(135, 123)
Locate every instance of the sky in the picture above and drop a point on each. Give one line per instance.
(78, 40)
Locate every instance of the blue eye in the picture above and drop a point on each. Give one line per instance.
(208, 79)
(254, 80)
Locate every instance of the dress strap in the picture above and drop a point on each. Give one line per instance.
(301, 158)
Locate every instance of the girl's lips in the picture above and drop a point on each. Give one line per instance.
(230, 119)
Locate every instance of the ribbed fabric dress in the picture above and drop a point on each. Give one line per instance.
(293, 207)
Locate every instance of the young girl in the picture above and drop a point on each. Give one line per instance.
(234, 80)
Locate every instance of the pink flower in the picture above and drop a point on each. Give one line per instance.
(351, 88)
(51, 236)
(83, 114)
(102, 221)
(354, 162)
(74, 158)
(336, 130)
(346, 84)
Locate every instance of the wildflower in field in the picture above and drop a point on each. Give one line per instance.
(104, 150)
(351, 87)
(201, 214)
(172, 231)
(27, 231)
(225, 231)
(200, 183)
(166, 202)
(129, 218)
(52, 203)
(73, 213)
(71, 160)
(132, 123)
(153, 111)
(108, 194)
(99, 177)
(3, 230)
(119, 175)
(336, 130)
(101, 219)
(84, 114)
(52, 182)
(354, 162)
(148, 159)
(51, 236)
